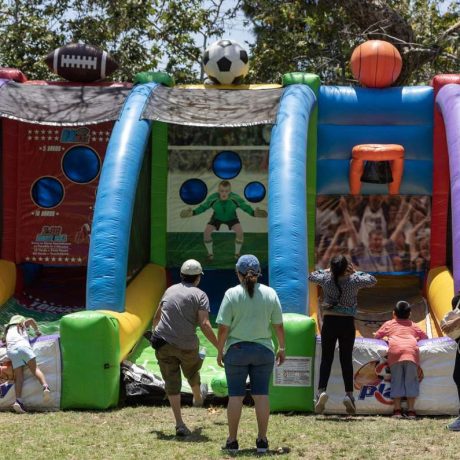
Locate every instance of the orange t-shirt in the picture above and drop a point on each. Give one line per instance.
(402, 336)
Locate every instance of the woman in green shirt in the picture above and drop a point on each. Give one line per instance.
(245, 345)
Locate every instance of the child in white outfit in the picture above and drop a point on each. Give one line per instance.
(20, 353)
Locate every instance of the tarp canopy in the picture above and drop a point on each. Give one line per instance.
(83, 105)
(212, 107)
(61, 105)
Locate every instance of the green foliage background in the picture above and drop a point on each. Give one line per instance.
(315, 36)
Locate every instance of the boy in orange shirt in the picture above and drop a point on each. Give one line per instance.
(403, 357)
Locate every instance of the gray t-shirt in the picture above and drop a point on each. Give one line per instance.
(179, 315)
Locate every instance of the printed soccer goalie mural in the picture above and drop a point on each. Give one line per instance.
(218, 178)
(218, 181)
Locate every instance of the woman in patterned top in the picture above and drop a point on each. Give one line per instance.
(340, 284)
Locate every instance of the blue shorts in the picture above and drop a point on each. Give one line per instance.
(404, 380)
(251, 359)
(20, 355)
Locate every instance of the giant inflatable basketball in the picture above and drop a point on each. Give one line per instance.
(376, 64)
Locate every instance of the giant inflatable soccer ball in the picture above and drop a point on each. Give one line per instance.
(226, 62)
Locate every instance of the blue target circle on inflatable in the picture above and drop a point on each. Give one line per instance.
(255, 192)
(226, 164)
(81, 164)
(193, 191)
(47, 192)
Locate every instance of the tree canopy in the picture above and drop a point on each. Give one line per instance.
(140, 34)
(316, 36)
(319, 36)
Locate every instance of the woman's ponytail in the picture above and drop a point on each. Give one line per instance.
(339, 265)
(249, 281)
(248, 268)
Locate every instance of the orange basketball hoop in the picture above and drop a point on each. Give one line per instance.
(392, 153)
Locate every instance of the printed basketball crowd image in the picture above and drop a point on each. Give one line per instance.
(379, 233)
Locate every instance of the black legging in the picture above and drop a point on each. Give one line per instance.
(341, 328)
(457, 370)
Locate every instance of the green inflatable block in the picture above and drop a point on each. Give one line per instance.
(292, 383)
(155, 77)
(90, 347)
(302, 78)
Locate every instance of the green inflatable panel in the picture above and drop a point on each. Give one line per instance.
(90, 347)
(292, 384)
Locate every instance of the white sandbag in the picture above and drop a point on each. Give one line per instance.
(49, 361)
(438, 392)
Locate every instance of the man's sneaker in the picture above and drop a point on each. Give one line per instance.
(397, 414)
(204, 392)
(455, 425)
(182, 430)
(349, 404)
(412, 415)
(320, 403)
(262, 446)
(46, 393)
(18, 407)
(231, 446)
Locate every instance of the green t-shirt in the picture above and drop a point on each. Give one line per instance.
(249, 319)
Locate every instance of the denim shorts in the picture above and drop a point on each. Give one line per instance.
(251, 359)
(20, 355)
(404, 380)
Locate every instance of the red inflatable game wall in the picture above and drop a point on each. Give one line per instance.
(51, 174)
(9, 188)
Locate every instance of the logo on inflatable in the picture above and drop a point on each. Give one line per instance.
(373, 380)
(6, 378)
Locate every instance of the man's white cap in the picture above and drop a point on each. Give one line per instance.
(191, 267)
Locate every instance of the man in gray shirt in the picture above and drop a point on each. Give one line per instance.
(182, 308)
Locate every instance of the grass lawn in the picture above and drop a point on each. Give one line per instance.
(148, 433)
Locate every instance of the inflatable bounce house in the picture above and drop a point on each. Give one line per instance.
(108, 187)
